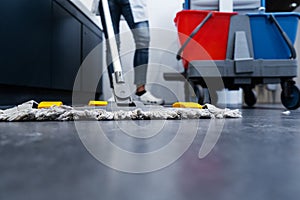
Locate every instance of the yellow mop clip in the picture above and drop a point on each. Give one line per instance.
(187, 105)
(98, 103)
(48, 104)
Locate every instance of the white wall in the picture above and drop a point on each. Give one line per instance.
(87, 3)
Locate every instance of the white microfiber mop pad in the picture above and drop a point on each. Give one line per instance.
(26, 112)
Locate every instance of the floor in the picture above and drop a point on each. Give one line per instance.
(254, 157)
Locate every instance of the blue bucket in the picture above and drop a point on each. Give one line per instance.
(268, 41)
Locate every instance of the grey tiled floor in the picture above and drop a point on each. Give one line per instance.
(256, 157)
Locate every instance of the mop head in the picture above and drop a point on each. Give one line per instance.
(27, 112)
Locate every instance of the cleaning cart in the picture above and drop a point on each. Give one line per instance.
(247, 46)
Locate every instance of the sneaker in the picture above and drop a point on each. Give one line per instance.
(149, 99)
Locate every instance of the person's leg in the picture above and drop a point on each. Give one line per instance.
(115, 11)
(141, 37)
(141, 57)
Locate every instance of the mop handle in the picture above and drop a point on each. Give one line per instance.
(187, 4)
(111, 38)
(226, 6)
(194, 32)
(263, 3)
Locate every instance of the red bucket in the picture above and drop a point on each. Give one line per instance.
(210, 43)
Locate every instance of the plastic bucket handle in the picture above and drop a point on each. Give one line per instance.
(194, 32)
(285, 36)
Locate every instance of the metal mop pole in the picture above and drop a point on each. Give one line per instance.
(121, 90)
(112, 43)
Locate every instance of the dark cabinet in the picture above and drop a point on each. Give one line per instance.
(25, 42)
(92, 61)
(66, 49)
(44, 44)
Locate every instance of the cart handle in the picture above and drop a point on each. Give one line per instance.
(285, 37)
(194, 32)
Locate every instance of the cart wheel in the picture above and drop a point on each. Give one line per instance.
(291, 101)
(250, 97)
